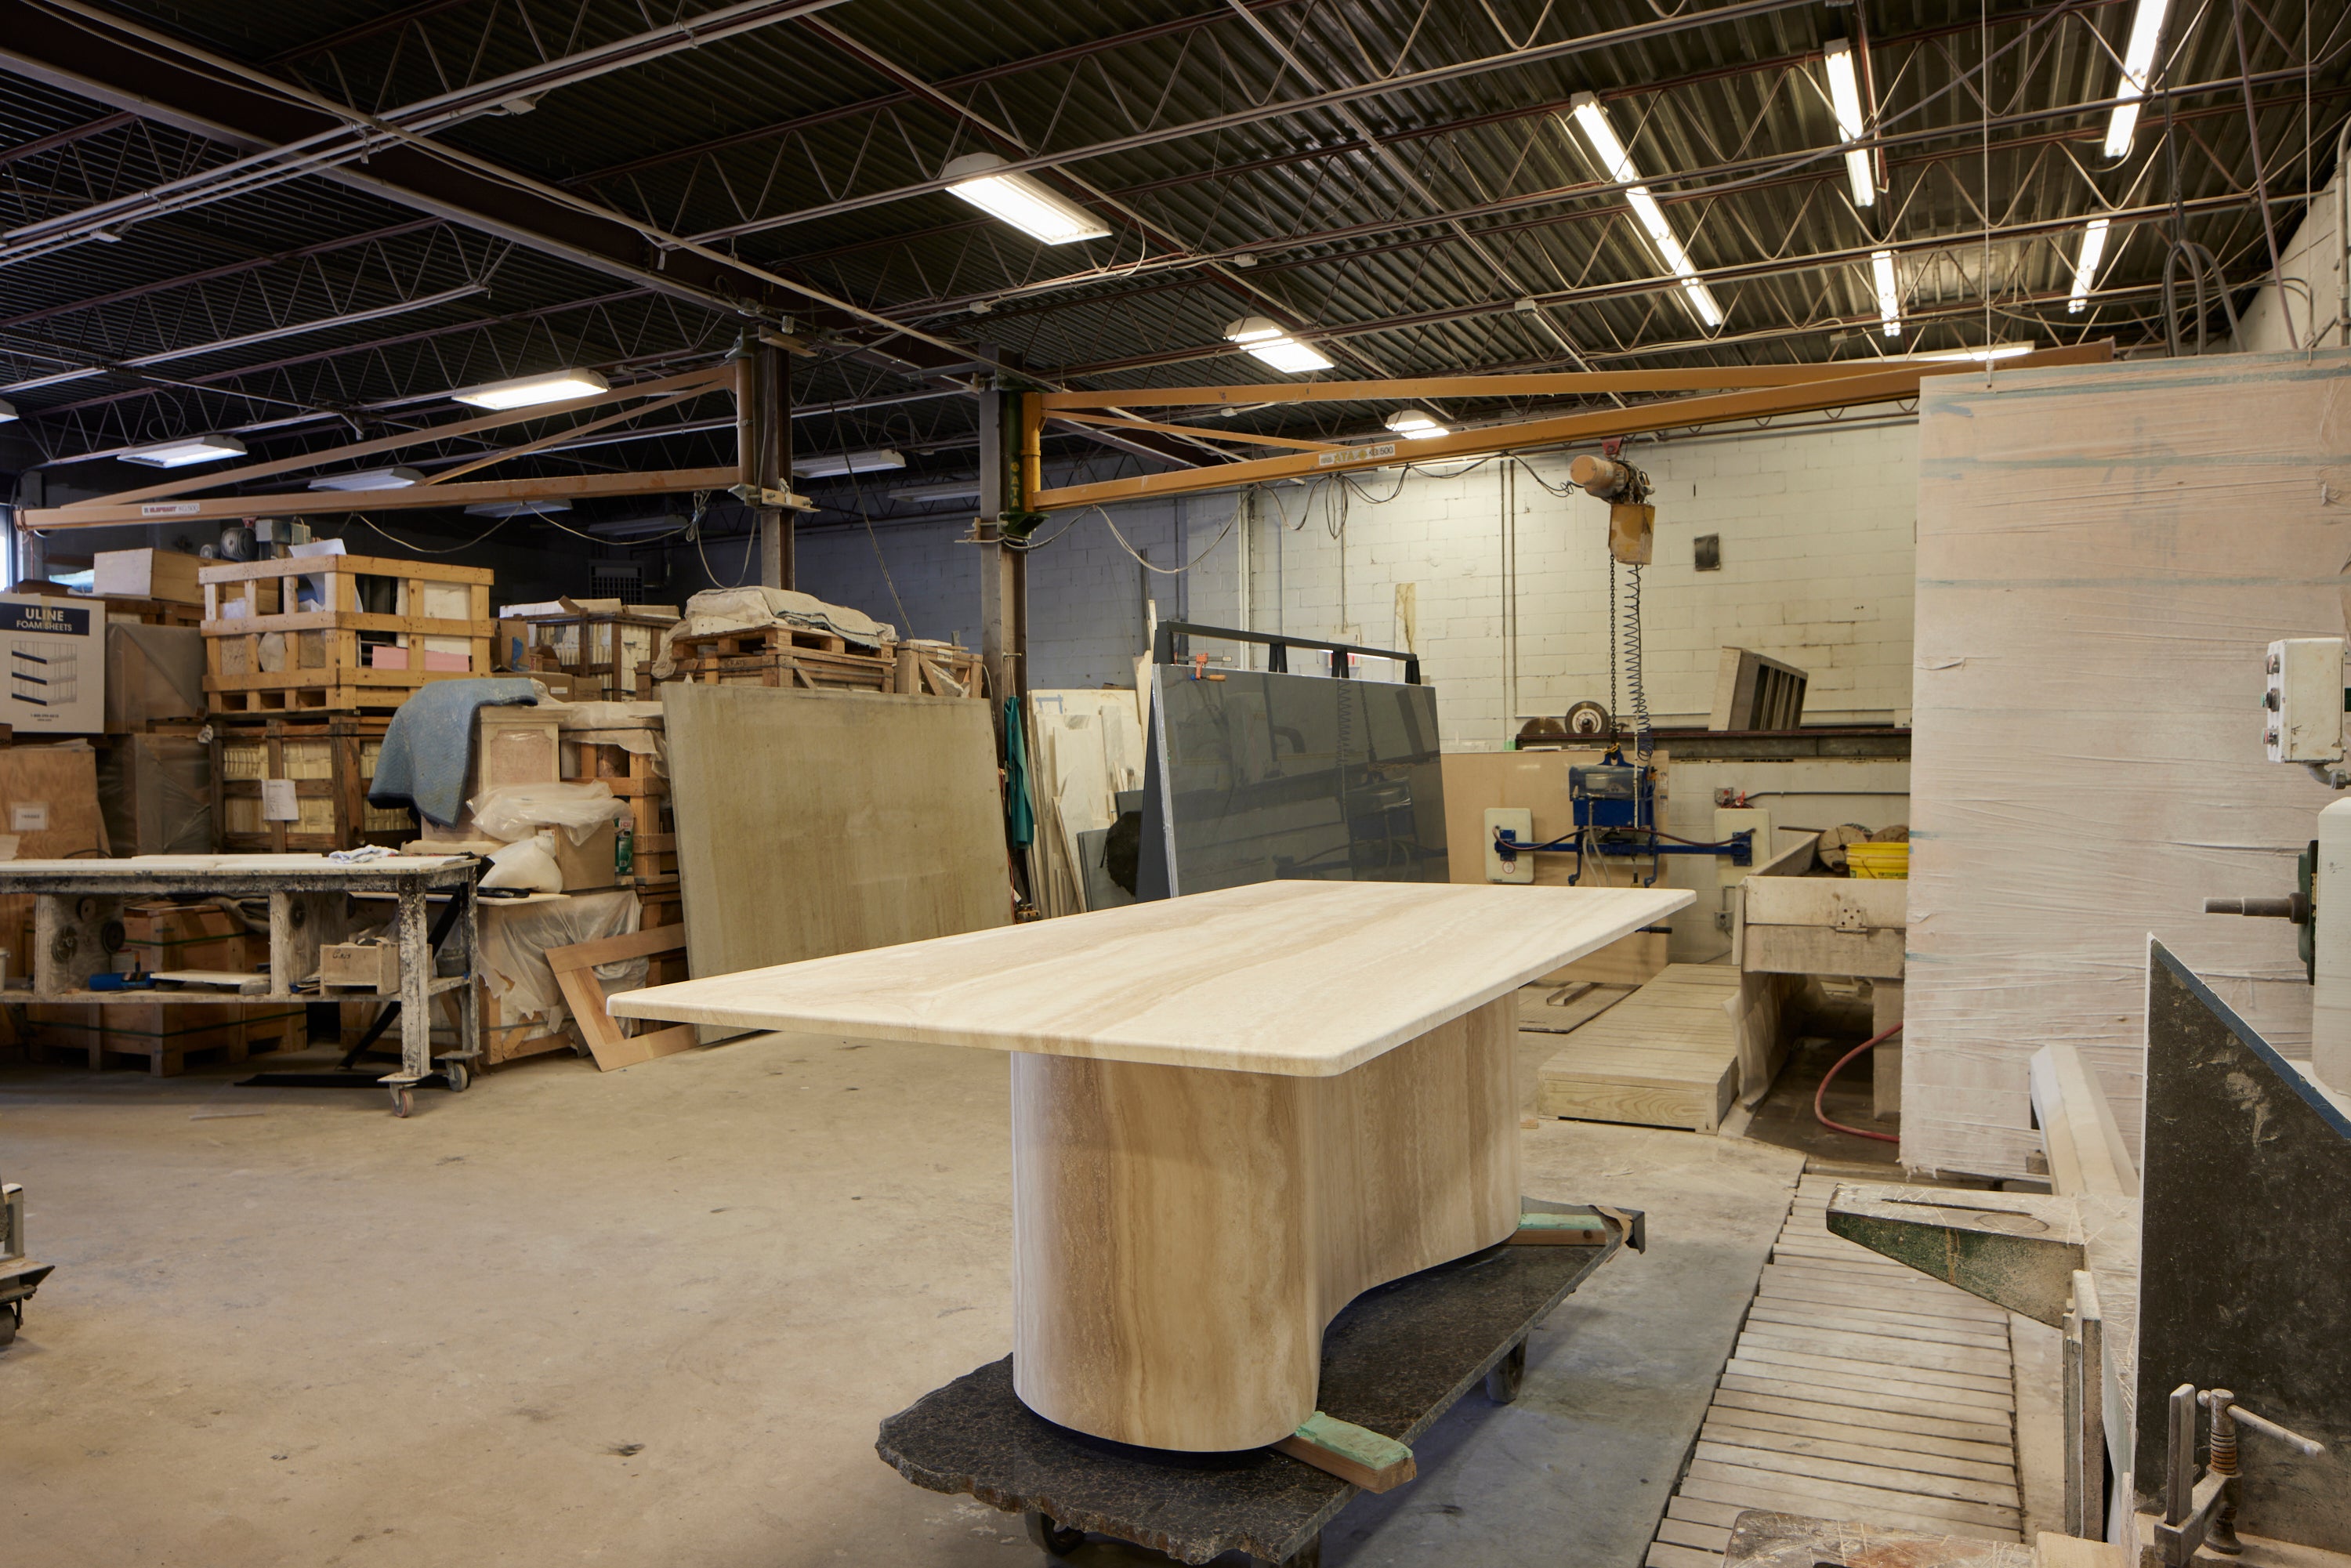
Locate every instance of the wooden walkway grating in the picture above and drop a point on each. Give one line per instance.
(1858, 1390)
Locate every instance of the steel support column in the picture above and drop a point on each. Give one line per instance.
(1003, 571)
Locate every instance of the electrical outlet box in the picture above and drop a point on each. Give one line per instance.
(2302, 707)
(1519, 824)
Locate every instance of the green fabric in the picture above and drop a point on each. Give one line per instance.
(1018, 810)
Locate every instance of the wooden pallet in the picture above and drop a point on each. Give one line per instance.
(1664, 1056)
(1858, 1390)
(816, 661)
(162, 1037)
(264, 653)
(330, 758)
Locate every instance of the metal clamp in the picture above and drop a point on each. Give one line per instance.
(2201, 1511)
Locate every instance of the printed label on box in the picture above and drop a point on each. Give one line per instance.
(29, 817)
(278, 801)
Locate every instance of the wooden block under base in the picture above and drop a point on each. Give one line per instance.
(1353, 1453)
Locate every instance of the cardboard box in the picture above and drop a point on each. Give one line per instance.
(589, 866)
(53, 658)
(146, 574)
(367, 965)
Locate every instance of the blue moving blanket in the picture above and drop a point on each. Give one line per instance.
(429, 750)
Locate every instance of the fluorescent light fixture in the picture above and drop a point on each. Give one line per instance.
(637, 528)
(1997, 351)
(179, 454)
(1025, 201)
(516, 508)
(528, 391)
(7, 410)
(1889, 298)
(832, 465)
(2086, 270)
(1592, 120)
(952, 490)
(2138, 64)
(1262, 340)
(368, 479)
(1844, 98)
(1414, 426)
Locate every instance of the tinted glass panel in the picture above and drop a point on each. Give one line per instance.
(1280, 776)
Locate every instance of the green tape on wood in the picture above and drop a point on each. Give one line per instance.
(1349, 1441)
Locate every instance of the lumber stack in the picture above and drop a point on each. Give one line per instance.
(341, 632)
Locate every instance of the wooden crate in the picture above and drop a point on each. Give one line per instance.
(147, 574)
(159, 935)
(380, 630)
(330, 758)
(601, 651)
(633, 777)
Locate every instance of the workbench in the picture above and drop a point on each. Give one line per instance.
(1232, 1114)
(75, 901)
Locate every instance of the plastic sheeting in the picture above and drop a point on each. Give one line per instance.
(155, 792)
(516, 938)
(719, 609)
(2104, 554)
(514, 811)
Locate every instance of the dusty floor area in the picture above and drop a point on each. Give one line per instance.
(656, 1316)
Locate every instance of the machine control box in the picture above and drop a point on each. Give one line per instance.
(2302, 707)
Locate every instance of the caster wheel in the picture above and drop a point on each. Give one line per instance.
(1051, 1538)
(458, 1075)
(12, 1317)
(1502, 1383)
(403, 1100)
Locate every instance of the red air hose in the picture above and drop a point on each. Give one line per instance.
(1830, 1077)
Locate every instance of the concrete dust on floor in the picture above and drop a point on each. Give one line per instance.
(656, 1316)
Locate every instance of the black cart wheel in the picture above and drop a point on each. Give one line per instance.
(12, 1318)
(1051, 1538)
(457, 1074)
(1502, 1383)
(403, 1100)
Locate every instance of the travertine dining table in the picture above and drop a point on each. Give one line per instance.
(1232, 1112)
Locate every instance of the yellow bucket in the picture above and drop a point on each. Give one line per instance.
(1883, 862)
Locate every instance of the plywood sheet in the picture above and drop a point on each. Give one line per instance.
(1304, 978)
(2103, 556)
(814, 823)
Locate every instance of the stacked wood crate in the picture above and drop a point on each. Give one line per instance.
(635, 769)
(339, 633)
(597, 647)
(820, 660)
(329, 760)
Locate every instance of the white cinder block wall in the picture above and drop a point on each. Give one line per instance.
(1816, 527)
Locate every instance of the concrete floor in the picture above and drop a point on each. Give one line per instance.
(656, 1316)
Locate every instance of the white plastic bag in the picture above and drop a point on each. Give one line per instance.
(528, 863)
